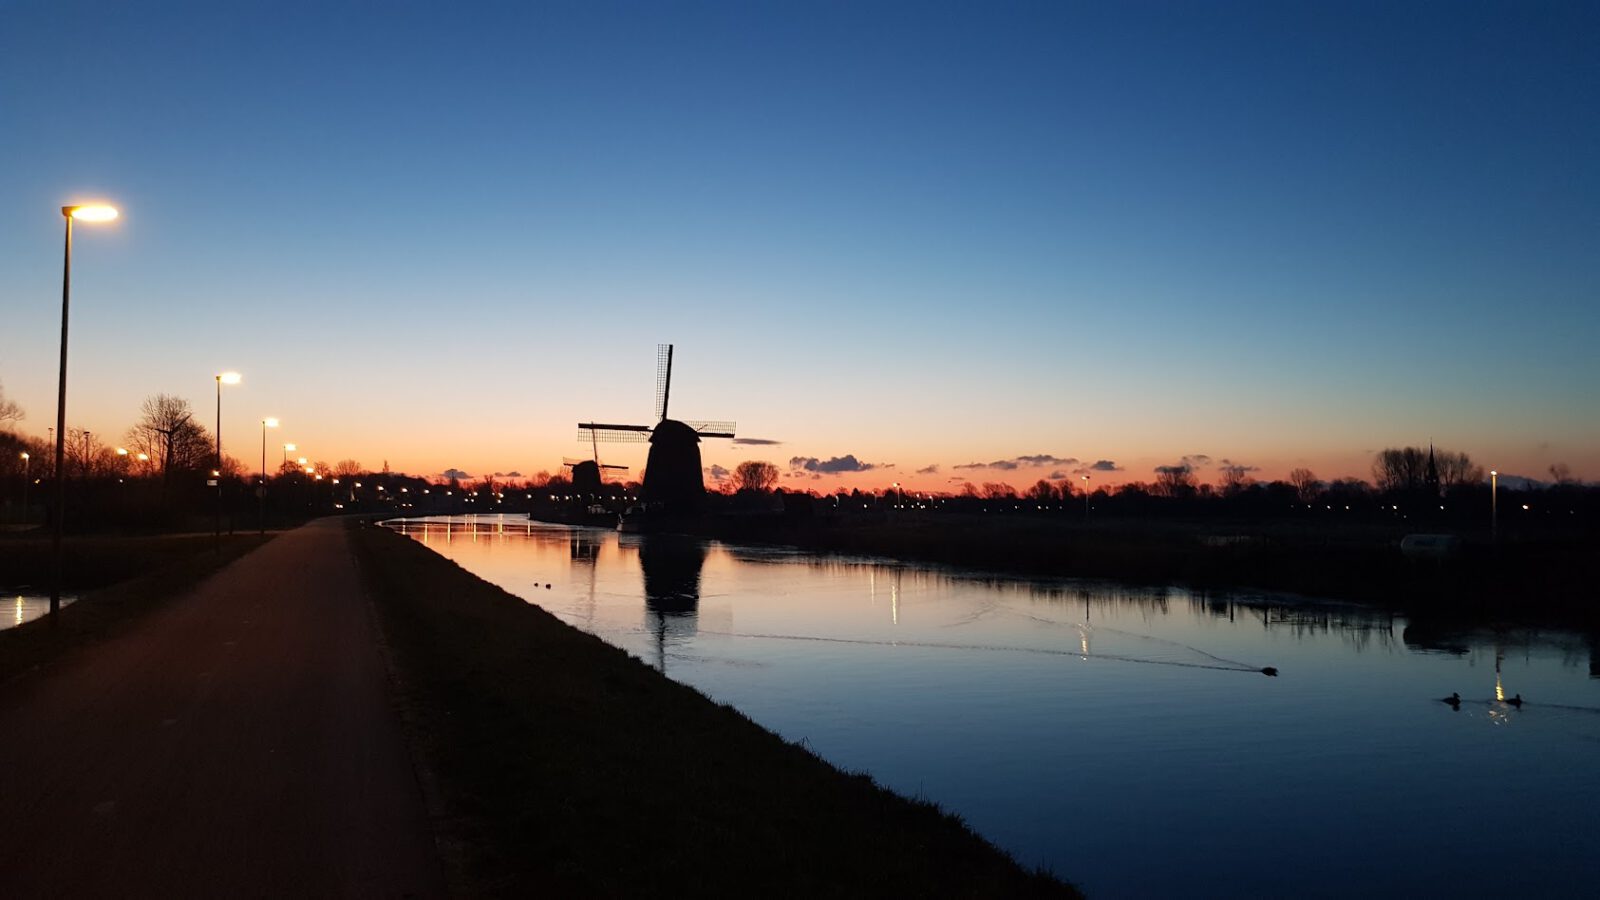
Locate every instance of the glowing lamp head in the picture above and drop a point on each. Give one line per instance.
(25, 455)
(290, 447)
(122, 451)
(230, 378)
(144, 457)
(270, 422)
(1493, 472)
(90, 213)
(301, 460)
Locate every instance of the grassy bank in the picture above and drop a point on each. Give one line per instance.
(118, 581)
(562, 766)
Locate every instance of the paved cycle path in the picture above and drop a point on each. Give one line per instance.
(239, 742)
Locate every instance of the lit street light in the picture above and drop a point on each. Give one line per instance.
(87, 214)
(1086, 498)
(261, 489)
(26, 466)
(286, 449)
(222, 379)
(1494, 505)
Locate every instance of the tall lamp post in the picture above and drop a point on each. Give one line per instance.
(26, 477)
(222, 379)
(1494, 505)
(87, 214)
(286, 449)
(261, 490)
(1085, 498)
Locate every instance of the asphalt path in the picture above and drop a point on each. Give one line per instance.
(240, 742)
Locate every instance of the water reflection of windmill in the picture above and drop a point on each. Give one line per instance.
(672, 474)
(671, 567)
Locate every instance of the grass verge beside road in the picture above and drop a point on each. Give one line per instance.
(562, 766)
(118, 581)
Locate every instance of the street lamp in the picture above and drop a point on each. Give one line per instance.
(26, 466)
(286, 449)
(261, 489)
(1494, 505)
(1085, 498)
(222, 379)
(87, 214)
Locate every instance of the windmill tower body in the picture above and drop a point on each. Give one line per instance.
(672, 474)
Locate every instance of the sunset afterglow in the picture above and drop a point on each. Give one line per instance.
(952, 254)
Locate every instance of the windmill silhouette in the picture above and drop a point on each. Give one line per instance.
(672, 475)
(587, 473)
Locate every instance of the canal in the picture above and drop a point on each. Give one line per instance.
(1124, 737)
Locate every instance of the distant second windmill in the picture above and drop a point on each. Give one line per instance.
(672, 474)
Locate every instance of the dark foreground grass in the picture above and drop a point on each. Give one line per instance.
(562, 766)
(118, 581)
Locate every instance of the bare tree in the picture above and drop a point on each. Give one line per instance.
(1456, 469)
(347, 468)
(754, 475)
(1042, 491)
(1235, 478)
(10, 412)
(1415, 469)
(168, 434)
(1400, 469)
(1305, 484)
(1561, 473)
(81, 450)
(998, 490)
(1175, 481)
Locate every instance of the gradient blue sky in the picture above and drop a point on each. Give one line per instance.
(919, 234)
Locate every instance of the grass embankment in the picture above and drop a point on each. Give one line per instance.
(563, 766)
(1540, 579)
(118, 581)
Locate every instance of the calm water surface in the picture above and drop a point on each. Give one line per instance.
(1124, 737)
(18, 608)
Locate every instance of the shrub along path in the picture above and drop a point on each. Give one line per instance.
(239, 741)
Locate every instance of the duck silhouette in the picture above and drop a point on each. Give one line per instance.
(1454, 700)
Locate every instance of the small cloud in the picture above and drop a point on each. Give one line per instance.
(1045, 459)
(1099, 465)
(1057, 475)
(717, 473)
(512, 474)
(846, 463)
(1182, 468)
(457, 474)
(755, 442)
(928, 470)
(1037, 460)
(1196, 460)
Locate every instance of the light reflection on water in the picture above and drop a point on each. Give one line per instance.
(20, 608)
(1123, 736)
